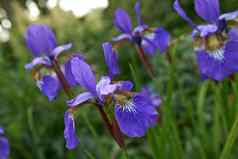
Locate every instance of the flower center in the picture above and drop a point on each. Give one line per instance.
(129, 107)
(213, 44)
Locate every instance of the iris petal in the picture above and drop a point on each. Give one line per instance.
(40, 39)
(209, 10)
(122, 21)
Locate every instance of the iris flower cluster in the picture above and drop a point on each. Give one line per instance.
(4, 145)
(134, 112)
(216, 46)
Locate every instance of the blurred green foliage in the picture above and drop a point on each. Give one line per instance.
(35, 127)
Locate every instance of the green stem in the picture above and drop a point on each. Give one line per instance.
(230, 140)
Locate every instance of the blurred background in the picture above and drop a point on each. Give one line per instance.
(35, 127)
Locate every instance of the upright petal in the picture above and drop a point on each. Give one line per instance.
(40, 39)
(69, 131)
(209, 10)
(50, 86)
(4, 148)
(111, 59)
(182, 14)
(136, 116)
(68, 74)
(83, 74)
(122, 21)
(138, 12)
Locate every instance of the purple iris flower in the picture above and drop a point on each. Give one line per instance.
(149, 39)
(84, 75)
(135, 113)
(216, 43)
(69, 132)
(4, 145)
(41, 40)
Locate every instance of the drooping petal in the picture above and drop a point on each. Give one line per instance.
(4, 148)
(155, 98)
(111, 59)
(162, 39)
(38, 61)
(1, 131)
(59, 49)
(69, 132)
(50, 86)
(40, 39)
(229, 16)
(212, 68)
(231, 56)
(209, 10)
(233, 34)
(122, 21)
(79, 99)
(149, 44)
(104, 87)
(159, 39)
(182, 14)
(138, 12)
(136, 116)
(83, 74)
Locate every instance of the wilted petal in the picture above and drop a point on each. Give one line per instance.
(4, 148)
(136, 116)
(40, 39)
(69, 132)
(49, 86)
(209, 10)
(83, 74)
(229, 16)
(59, 49)
(182, 14)
(104, 87)
(37, 61)
(122, 21)
(81, 98)
(111, 59)
(138, 12)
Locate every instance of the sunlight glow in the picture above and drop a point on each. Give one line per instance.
(33, 9)
(51, 3)
(82, 7)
